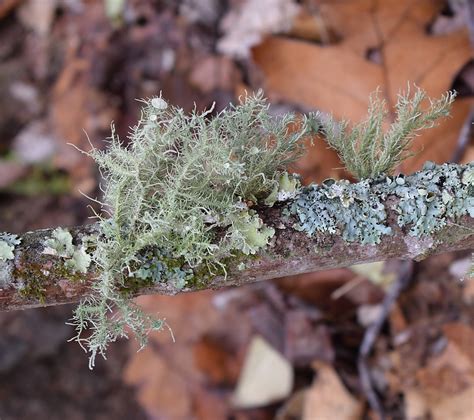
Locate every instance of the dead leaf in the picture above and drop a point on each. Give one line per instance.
(266, 376)
(38, 15)
(446, 375)
(10, 172)
(7, 6)
(305, 341)
(312, 27)
(160, 392)
(339, 78)
(328, 398)
(463, 336)
(215, 361)
(457, 407)
(214, 72)
(415, 404)
(246, 24)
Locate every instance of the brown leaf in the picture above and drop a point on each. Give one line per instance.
(160, 392)
(214, 72)
(329, 399)
(339, 78)
(215, 361)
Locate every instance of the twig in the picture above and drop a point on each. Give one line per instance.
(373, 331)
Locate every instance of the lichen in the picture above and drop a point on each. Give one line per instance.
(8, 242)
(182, 198)
(287, 188)
(76, 258)
(156, 266)
(426, 201)
(365, 149)
(184, 186)
(339, 207)
(248, 233)
(429, 198)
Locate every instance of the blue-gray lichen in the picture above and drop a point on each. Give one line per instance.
(429, 198)
(158, 266)
(339, 207)
(426, 201)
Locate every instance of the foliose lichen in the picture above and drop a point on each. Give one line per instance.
(248, 233)
(287, 188)
(60, 244)
(339, 207)
(429, 198)
(426, 201)
(8, 242)
(158, 266)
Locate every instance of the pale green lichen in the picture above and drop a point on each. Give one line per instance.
(76, 258)
(248, 233)
(184, 187)
(8, 242)
(180, 200)
(287, 188)
(365, 149)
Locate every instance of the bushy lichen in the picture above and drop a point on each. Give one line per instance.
(76, 258)
(426, 201)
(365, 149)
(184, 186)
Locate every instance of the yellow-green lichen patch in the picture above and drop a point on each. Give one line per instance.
(76, 258)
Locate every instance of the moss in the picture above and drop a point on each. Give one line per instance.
(32, 277)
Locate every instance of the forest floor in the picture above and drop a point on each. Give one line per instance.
(283, 349)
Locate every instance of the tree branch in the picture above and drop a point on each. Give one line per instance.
(34, 278)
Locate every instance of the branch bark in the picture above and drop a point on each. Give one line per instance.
(34, 279)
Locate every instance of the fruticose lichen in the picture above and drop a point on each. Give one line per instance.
(426, 201)
(183, 190)
(368, 151)
(76, 259)
(182, 198)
